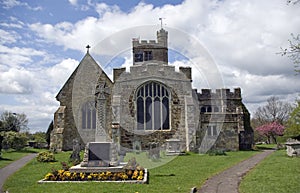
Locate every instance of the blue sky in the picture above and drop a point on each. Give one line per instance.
(42, 42)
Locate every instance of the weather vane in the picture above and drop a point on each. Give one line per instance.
(161, 22)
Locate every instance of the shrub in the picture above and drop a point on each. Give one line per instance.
(45, 156)
(14, 140)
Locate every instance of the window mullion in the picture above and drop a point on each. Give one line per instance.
(152, 104)
(144, 100)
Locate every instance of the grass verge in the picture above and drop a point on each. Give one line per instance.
(276, 174)
(178, 175)
(11, 155)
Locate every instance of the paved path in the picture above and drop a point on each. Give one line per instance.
(13, 167)
(229, 180)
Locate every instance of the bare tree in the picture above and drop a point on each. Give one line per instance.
(13, 121)
(293, 52)
(274, 110)
(293, 1)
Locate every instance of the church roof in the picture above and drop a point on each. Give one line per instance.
(86, 60)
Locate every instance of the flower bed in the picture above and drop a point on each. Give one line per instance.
(65, 175)
(131, 172)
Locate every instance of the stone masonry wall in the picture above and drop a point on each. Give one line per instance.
(225, 110)
(125, 87)
(79, 89)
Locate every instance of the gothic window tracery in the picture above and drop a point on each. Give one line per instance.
(88, 114)
(153, 107)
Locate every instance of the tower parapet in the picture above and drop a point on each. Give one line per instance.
(144, 51)
(223, 93)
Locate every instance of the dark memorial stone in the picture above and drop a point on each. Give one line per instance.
(99, 153)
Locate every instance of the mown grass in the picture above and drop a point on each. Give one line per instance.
(276, 174)
(11, 155)
(266, 146)
(178, 175)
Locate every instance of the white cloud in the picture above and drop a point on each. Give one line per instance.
(59, 73)
(18, 56)
(8, 37)
(36, 90)
(16, 81)
(242, 36)
(238, 34)
(8, 4)
(73, 2)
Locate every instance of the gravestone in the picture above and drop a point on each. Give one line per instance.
(173, 147)
(293, 148)
(75, 156)
(154, 151)
(137, 147)
(97, 154)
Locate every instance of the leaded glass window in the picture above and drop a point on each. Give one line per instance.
(88, 114)
(153, 107)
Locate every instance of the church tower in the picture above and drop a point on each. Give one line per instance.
(153, 50)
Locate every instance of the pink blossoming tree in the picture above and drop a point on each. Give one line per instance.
(271, 130)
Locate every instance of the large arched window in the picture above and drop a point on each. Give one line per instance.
(88, 114)
(153, 107)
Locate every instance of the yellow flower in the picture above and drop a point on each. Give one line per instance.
(136, 173)
(141, 173)
(124, 177)
(67, 174)
(140, 178)
(49, 176)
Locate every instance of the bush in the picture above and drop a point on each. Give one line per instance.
(14, 140)
(45, 156)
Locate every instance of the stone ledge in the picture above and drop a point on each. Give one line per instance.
(80, 169)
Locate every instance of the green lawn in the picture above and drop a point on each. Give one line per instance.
(9, 156)
(276, 174)
(177, 175)
(266, 146)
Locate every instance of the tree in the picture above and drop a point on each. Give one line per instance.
(271, 130)
(274, 110)
(293, 123)
(293, 52)
(11, 122)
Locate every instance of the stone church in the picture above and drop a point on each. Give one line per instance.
(150, 103)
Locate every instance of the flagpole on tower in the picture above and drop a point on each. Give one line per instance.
(161, 22)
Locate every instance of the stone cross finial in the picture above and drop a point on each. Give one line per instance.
(88, 48)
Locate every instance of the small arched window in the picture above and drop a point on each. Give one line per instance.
(209, 109)
(153, 107)
(88, 114)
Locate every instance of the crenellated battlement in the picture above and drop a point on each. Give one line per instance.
(223, 93)
(147, 50)
(145, 43)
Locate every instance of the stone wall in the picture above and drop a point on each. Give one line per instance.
(224, 110)
(79, 89)
(124, 103)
